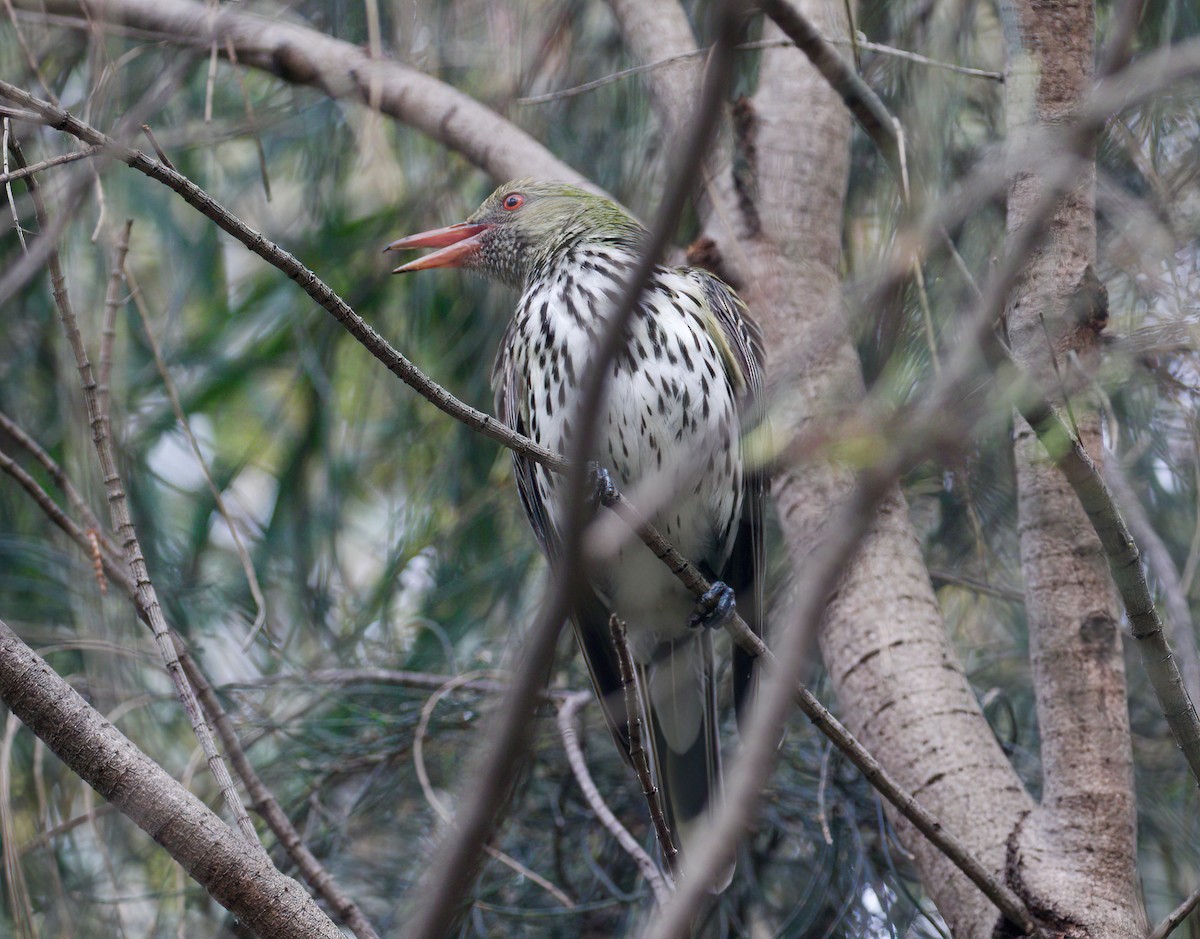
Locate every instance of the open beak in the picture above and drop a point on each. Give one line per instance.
(457, 243)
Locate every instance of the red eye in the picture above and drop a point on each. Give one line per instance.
(513, 201)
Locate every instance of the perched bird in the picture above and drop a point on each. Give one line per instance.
(680, 398)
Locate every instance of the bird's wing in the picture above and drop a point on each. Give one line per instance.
(589, 616)
(741, 343)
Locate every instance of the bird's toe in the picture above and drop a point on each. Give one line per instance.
(714, 608)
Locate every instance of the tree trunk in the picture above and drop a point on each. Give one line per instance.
(1074, 858)
(897, 683)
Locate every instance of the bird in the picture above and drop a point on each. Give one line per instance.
(683, 394)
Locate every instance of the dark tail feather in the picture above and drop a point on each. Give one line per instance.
(679, 697)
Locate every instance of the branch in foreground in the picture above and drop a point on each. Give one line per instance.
(637, 750)
(235, 873)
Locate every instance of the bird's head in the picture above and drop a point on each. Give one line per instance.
(521, 227)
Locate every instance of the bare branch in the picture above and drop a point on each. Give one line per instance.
(1176, 916)
(306, 56)
(108, 329)
(59, 160)
(236, 873)
(443, 811)
(658, 30)
(256, 593)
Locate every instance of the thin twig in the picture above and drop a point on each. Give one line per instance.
(108, 328)
(858, 42)
(158, 150)
(12, 202)
(9, 176)
(569, 732)
(59, 476)
(637, 749)
(1176, 916)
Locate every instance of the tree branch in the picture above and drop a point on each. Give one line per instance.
(235, 872)
(306, 56)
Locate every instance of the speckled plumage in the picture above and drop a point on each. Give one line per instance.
(678, 402)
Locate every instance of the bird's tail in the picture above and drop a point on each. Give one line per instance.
(680, 701)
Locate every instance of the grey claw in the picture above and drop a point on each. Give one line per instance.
(603, 491)
(714, 608)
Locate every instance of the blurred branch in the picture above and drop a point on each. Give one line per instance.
(668, 60)
(59, 160)
(1176, 916)
(256, 593)
(236, 873)
(108, 329)
(1162, 565)
(568, 730)
(305, 56)
(56, 473)
(955, 579)
(659, 30)
(428, 681)
(123, 522)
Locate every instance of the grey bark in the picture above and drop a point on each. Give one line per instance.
(897, 683)
(305, 56)
(1074, 857)
(236, 874)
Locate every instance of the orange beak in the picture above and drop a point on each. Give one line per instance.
(458, 243)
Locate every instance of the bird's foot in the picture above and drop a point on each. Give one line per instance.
(714, 608)
(602, 491)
